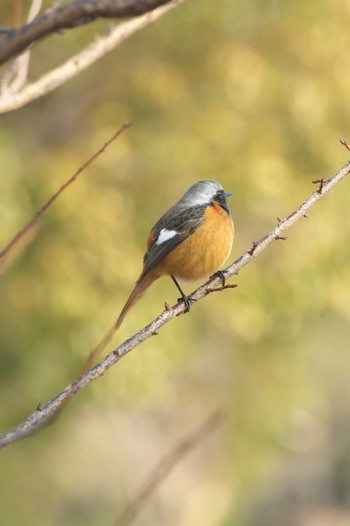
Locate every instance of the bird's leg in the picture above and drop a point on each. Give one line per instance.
(184, 298)
(220, 275)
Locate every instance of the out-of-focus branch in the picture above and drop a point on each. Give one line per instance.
(16, 13)
(44, 414)
(21, 64)
(167, 464)
(74, 14)
(11, 99)
(53, 198)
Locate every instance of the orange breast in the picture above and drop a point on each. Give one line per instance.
(205, 251)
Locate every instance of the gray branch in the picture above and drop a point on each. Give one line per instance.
(44, 414)
(74, 14)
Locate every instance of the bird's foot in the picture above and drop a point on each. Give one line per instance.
(220, 275)
(186, 301)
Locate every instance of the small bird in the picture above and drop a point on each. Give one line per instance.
(190, 241)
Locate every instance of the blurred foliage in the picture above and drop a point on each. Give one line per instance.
(254, 94)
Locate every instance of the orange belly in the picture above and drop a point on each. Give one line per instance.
(205, 251)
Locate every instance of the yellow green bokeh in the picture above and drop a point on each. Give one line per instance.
(256, 95)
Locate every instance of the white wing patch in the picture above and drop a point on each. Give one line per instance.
(164, 235)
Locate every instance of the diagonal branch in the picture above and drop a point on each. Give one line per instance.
(53, 198)
(11, 99)
(44, 414)
(75, 13)
(167, 464)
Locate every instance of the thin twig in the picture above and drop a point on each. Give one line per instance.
(344, 143)
(223, 287)
(39, 418)
(167, 464)
(53, 198)
(73, 66)
(22, 62)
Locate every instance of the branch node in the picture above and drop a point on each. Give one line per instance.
(279, 220)
(166, 305)
(321, 183)
(344, 143)
(281, 238)
(39, 407)
(252, 250)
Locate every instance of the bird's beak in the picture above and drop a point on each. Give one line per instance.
(227, 194)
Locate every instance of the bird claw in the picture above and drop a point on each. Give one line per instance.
(220, 275)
(186, 301)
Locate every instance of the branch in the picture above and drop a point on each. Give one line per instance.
(167, 464)
(53, 198)
(74, 14)
(12, 100)
(19, 69)
(44, 414)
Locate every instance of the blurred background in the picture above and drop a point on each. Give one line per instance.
(255, 94)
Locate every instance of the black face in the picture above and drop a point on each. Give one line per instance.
(220, 198)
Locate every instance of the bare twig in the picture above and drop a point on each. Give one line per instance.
(223, 287)
(167, 464)
(70, 15)
(10, 101)
(53, 198)
(22, 63)
(344, 143)
(321, 183)
(39, 418)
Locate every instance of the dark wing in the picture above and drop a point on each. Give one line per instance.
(183, 222)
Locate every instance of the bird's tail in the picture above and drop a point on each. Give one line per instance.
(141, 285)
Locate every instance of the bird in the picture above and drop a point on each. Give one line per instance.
(192, 240)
